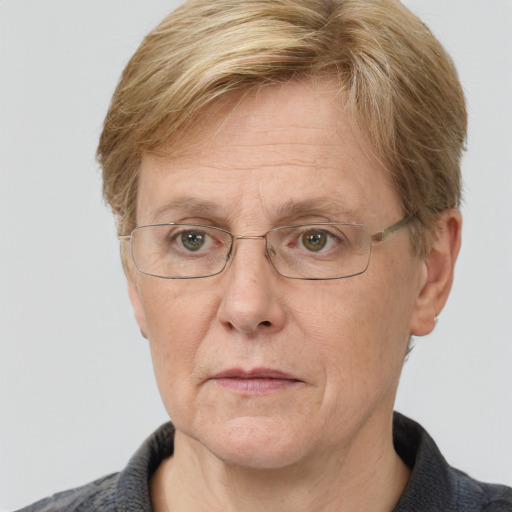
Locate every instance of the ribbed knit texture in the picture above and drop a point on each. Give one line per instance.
(435, 486)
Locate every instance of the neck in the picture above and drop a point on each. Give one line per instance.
(368, 475)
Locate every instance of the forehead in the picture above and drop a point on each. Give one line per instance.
(276, 153)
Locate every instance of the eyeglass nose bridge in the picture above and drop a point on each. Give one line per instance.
(247, 237)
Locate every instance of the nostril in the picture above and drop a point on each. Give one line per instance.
(266, 323)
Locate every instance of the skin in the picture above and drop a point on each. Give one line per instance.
(323, 440)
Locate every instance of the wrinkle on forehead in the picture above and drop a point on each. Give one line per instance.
(280, 213)
(243, 109)
(282, 144)
(262, 125)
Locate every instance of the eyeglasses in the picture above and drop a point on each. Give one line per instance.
(326, 250)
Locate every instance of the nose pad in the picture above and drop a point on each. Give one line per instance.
(271, 252)
(230, 252)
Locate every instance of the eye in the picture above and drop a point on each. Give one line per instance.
(193, 240)
(315, 240)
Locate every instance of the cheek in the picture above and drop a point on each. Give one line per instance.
(357, 326)
(343, 315)
(177, 320)
(175, 311)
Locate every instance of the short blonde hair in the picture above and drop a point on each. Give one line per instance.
(396, 79)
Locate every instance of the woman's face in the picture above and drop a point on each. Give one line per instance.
(255, 368)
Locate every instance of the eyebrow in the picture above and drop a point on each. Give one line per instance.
(286, 212)
(186, 204)
(318, 206)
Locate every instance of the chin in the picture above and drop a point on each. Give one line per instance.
(256, 443)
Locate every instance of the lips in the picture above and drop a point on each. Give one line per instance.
(255, 381)
(256, 373)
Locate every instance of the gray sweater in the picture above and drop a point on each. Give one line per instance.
(434, 486)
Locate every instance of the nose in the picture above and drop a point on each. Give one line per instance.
(252, 301)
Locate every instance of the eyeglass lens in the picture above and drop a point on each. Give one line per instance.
(312, 251)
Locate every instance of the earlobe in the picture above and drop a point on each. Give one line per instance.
(438, 271)
(138, 310)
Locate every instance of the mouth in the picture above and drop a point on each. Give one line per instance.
(257, 381)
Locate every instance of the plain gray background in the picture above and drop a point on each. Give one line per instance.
(77, 394)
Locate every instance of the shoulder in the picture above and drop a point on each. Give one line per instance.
(435, 485)
(480, 496)
(127, 491)
(97, 495)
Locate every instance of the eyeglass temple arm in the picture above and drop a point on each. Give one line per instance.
(385, 233)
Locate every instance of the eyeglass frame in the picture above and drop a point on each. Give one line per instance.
(379, 236)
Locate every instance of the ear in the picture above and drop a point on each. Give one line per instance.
(438, 270)
(138, 309)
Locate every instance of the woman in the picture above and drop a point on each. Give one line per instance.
(286, 180)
